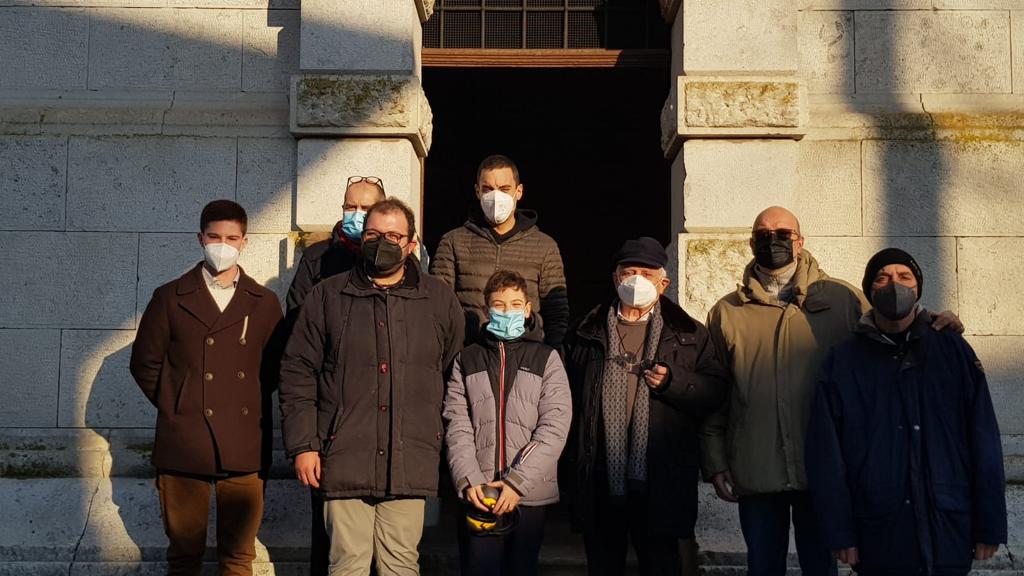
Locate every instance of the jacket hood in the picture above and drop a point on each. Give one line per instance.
(594, 325)
(867, 328)
(807, 272)
(526, 220)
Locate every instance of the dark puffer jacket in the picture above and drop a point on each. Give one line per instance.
(362, 381)
(468, 256)
(697, 385)
(904, 456)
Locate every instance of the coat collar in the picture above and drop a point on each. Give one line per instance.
(867, 328)
(678, 324)
(807, 273)
(412, 285)
(197, 301)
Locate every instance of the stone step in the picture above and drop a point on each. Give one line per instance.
(111, 526)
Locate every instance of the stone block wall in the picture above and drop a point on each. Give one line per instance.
(119, 120)
(913, 137)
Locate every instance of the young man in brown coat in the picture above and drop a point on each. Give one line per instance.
(198, 357)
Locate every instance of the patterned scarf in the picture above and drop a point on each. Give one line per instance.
(626, 450)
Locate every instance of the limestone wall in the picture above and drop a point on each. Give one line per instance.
(119, 120)
(912, 136)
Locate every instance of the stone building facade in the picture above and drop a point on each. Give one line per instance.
(879, 122)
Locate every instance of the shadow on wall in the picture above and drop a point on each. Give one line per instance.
(229, 52)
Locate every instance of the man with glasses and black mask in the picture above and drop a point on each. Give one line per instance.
(362, 383)
(772, 333)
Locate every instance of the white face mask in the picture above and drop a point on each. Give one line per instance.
(497, 206)
(637, 291)
(220, 256)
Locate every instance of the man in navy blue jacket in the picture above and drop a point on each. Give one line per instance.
(904, 457)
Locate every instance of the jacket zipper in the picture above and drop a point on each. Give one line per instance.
(501, 409)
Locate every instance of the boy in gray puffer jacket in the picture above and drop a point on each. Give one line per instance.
(507, 412)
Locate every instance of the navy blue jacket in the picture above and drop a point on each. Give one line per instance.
(904, 453)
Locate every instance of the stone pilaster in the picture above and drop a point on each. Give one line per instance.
(358, 105)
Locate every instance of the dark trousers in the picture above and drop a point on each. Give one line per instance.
(765, 520)
(618, 519)
(319, 544)
(512, 554)
(184, 507)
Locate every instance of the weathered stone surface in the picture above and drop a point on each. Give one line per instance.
(271, 52)
(359, 36)
(845, 258)
(712, 265)
(28, 382)
(146, 183)
(946, 188)
(363, 105)
(44, 518)
(268, 258)
(165, 48)
(67, 280)
(826, 51)
(266, 182)
(53, 452)
(1003, 360)
(33, 182)
(96, 388)
(751, 174)
(325, 165)
(909, 4)
(828, 194)
(740, 36)
(989, 283)
(1017, 20)
(43, 48)
(738, 104)
(220, 114)
(924, 51)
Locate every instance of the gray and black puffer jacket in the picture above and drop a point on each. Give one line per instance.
(524, 381)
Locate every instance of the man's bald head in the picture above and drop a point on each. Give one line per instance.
(776, 217)
(773, 225)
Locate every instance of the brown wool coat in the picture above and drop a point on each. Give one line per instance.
(204, 370)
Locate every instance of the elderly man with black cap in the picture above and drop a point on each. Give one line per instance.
(904, 458)
(643, 375)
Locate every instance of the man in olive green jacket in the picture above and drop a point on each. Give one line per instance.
(773, 333)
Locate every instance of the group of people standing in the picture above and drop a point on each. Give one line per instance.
(857, 415)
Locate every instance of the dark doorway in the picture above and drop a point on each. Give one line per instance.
(587, 142)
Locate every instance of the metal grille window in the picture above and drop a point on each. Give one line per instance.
(546, 24)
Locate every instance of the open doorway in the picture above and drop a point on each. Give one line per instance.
(587, 142)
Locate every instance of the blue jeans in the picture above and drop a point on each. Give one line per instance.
(765, 519)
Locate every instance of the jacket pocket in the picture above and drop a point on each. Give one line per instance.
(952, 497)
(181, 392)
(952, 527)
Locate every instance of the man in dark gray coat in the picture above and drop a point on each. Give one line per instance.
(362, 382)
(498, 235)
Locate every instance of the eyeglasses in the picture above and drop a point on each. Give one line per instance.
(368, 179)
(780, 233)
(370, 235)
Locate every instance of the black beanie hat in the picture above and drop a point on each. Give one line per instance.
(885, 258)
(644, 251)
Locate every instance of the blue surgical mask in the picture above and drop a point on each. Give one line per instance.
(352, 224)
(507, 325)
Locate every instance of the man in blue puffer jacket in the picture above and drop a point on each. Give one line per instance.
(904, 458)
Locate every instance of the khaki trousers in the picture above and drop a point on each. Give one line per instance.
(184, 507)
(363, 529)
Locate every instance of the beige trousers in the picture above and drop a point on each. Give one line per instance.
(363, 529)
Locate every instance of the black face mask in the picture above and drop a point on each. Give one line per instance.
(773, 253)
(382, 257)
(894, 301)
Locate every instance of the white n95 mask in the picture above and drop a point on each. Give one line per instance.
(497, 206)
(637, 291)
(220, 256)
